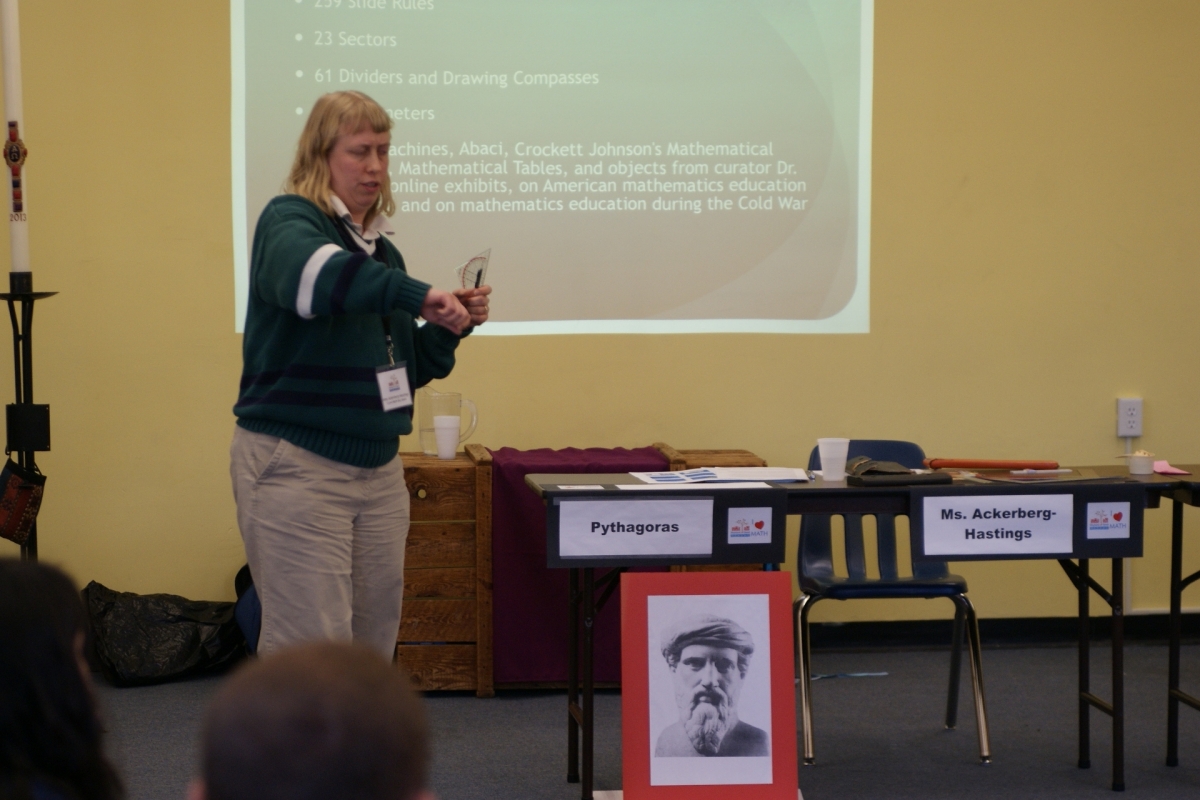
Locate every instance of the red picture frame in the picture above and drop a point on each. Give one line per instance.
(672, 601)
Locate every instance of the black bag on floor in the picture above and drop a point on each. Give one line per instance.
(144, 639)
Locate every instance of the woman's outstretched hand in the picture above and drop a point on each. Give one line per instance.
(475, 300)
(444, 309)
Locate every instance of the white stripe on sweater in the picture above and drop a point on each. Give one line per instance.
(308, 278)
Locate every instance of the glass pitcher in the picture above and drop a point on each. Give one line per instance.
(439, 422)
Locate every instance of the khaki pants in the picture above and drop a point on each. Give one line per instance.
(325, 542)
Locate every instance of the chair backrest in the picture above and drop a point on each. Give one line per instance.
(816, 533)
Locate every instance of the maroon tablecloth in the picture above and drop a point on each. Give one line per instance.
(529, 599)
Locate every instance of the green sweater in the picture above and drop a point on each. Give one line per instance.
(314, 336)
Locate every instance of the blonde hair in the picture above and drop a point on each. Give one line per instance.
(330, 115)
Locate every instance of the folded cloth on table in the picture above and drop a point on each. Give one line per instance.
(910, 479)
(862, 471)
(863, 465)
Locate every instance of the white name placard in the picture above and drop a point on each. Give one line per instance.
(998, 524)
(592, 528)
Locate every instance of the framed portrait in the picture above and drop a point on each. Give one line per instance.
(707, 692)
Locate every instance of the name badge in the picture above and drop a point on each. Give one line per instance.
(393, 386)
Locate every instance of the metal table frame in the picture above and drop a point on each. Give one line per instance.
(587, 594)
(817, 498)
(1085, 585)
(580, 711)
(1188, 493)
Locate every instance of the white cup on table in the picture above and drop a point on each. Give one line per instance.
(833, 458)
(1141, 465)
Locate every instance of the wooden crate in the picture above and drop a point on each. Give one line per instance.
(445, 637)
(690, 459)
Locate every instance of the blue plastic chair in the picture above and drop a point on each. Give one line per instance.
(818, 581)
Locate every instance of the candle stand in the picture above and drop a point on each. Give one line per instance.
(28, 422)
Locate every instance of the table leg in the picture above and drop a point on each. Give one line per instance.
(1118, 674)
(1085, 759)
(1115, 709)
(589, 628)
(573, 676)
(1176, 622)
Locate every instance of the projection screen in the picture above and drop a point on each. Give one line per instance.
(635, 166)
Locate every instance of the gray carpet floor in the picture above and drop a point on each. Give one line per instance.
(876, 737)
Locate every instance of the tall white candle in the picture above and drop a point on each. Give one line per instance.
(14, 148)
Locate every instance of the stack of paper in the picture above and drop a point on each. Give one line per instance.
(723, 474)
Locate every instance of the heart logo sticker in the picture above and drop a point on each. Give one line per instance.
(1117, 515)
(750, 525)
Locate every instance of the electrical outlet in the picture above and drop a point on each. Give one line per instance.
(1129, 416)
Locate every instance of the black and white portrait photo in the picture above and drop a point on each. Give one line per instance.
(710, 707)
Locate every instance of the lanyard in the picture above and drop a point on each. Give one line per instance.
(379, 255)
(387, 337)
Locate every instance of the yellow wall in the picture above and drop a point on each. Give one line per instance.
(1034, 253)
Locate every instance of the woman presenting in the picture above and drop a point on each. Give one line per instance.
(331, 355)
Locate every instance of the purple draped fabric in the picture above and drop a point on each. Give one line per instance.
(529, 599)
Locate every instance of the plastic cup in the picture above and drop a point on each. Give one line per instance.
(1141, 465)
(445, 429)
(833, 458)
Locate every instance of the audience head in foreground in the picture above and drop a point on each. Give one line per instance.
(50, 736)
(325, 721)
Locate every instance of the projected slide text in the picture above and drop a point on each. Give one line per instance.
(635, 167)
